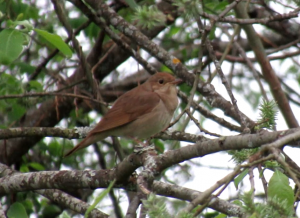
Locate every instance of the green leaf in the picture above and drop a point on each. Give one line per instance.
(64, 215)
(11, 45)
(27, 26)
(174, 30)
(36, 166)
(132, 4)
(17, 112)
(237, 202)
(25, 68)
(51, 210)
(26, 9)
(293, 69)
(212, 34)
(99, 198)
(55, 148)
(279, 187)
(159, 146)
(28, 205)
(35, 85)
(220, 6)
(91, 31)
(165, 69)
(254, 215)
(17, 210)
(221, 215)
(31, 12)
(185, 88)
(56, 41)
(212, 214)
(272, 165)
(24, 168)
(240, 178)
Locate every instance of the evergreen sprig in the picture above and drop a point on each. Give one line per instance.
(188, 8)
(274, 208)
(242, 155)
(249, 205)
(279, 203)
(155, 207)
(149, 17)
(268, 114)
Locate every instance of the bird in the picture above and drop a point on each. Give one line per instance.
(139, 113)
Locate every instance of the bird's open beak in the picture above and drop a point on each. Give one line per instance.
(177, 81)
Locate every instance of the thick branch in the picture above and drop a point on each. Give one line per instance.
(101, 178)
(267, 70)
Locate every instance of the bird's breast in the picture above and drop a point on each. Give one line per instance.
(148, 124)
(169, 98)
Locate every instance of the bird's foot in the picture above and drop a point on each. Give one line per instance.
(144, 144)
(140, 148)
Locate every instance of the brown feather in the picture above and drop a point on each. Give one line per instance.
(128, 108)
(141, 112)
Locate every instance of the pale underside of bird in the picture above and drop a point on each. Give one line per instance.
(139, 113)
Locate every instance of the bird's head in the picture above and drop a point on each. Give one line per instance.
(163, 82)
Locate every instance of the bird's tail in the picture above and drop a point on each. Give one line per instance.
(90, 139)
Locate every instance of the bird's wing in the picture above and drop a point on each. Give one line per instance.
(127, 108)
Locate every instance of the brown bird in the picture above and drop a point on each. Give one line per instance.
(139, 113)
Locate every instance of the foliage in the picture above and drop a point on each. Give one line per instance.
(16, 210)
(189, 8)
(156, 208)
(56, 41)
(280, 200)
(11, 45)
(242, 155)
(37, 57)
(268, 114)
(12, 40)
(148, 17)
(240, 178)
(99, 198)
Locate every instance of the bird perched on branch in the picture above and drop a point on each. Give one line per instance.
(139, 113)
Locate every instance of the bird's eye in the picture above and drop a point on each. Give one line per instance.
(161, 81)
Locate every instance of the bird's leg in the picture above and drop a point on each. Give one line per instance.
(142, 146)
(139, 149)
(140, 143)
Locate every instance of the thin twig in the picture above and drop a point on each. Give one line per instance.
(250, 65)
(210, 190)
(199, 126)
(278, 17)
(42, 65)
(61, 13)
(39, 94)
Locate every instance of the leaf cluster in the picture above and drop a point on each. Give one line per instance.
(242, 155)
(279, 203)
(268, 115)
(156, 208)
(267, 119)
(189, 8)
(149, 16)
